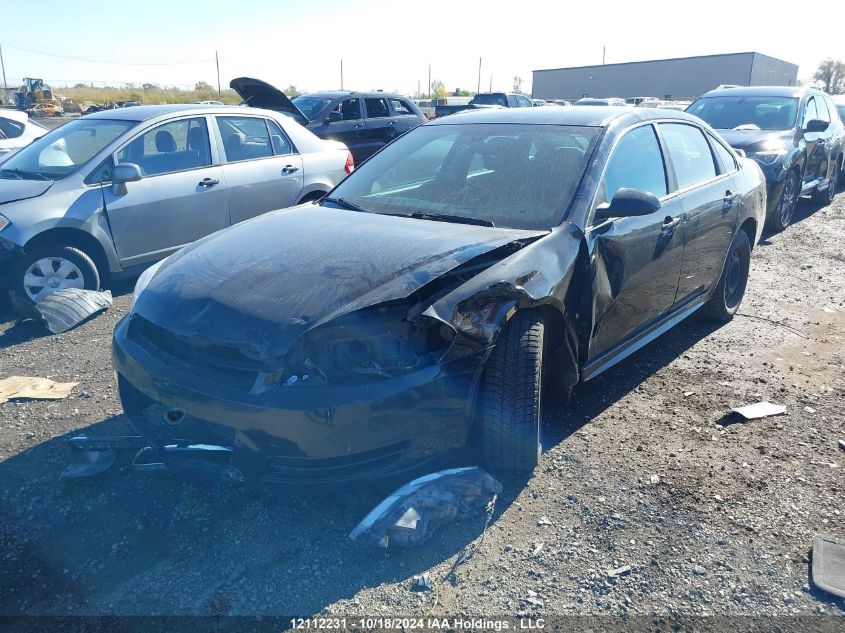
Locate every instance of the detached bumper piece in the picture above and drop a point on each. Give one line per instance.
(65, 309)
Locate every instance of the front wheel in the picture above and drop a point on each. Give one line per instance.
(725, 300)
(781, 216)
(49, 267)
(508, 414)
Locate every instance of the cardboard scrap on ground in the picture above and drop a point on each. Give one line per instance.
(33, 388)
(760, 410)
(828, 568)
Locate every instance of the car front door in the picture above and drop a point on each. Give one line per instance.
(180, 198)
(814, 142)
(345, 123)
(636, 261)
(380, 126)
(262, 169)
(710, 204)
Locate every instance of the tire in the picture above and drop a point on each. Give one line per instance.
(824, 198)
(781, 216)
(728, 294)
(73, 268)
(508, 413)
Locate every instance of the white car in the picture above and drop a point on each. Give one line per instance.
(17, 130)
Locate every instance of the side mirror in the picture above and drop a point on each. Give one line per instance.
(123, 173)
(334, 117)
(628, 203)
(816, 125)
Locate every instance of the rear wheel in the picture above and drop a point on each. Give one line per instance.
(725, 300)
(49, 267)
(508, 414)
(824, 198)
(781, 216)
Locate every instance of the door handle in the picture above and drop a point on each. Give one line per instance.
(208, 182)
(730, 196)
(670, 223)
(289, 169)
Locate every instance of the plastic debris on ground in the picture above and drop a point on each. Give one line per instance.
(412, 513)
(829, 564)
(65, 309)
(759, 410)
(422, 582)
(34, 388)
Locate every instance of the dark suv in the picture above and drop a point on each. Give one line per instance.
(364, 121)
(794, 134)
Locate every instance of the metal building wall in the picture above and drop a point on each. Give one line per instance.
(680, 78)
(768, 71)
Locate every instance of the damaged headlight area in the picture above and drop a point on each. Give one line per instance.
(368, 345)
(143, 282)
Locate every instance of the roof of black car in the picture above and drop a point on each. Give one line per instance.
(758, 91)
(555, 115)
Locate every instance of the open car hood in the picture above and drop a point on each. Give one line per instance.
(260, 94)
(261, 284)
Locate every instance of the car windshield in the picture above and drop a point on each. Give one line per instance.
(747, 113)
(310, 106)
(510, 175)
(491, 99)
(62, 151)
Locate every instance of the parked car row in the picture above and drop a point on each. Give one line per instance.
(401, 311)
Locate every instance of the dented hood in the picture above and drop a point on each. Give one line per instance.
(263, 283)
(260, 94)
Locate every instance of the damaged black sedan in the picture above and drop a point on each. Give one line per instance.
(418, 307)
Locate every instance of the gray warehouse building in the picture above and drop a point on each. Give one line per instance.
(680, 78)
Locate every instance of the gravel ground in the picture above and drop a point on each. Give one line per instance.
(649, 499)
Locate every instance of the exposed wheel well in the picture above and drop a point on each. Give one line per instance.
(750, 228)
(312, 196)
(78, 239)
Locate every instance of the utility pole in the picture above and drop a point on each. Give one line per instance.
(217, 61)
(479, 76)
(603, 51)
(491, 82)
(341, 74)
(3, 66)
(429, 80)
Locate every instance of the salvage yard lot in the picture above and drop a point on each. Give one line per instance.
(644, 474)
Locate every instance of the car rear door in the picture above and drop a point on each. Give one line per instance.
(710, 203)
(380, 126)
(262, 168)
(636, 261)
(180, 198)
(403, 114)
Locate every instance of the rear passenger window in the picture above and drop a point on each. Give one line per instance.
(727, 162)
(244, 138)
(10, 129)
(279, 140)
(689, 152)
(400, 107)
(376, 108)
(169, 147)
(636, 163)
(349, 109)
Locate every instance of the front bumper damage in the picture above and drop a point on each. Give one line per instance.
(200, 423)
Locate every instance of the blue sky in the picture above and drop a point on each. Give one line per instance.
(388, 44)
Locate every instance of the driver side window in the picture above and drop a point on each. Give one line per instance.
(810, 112)
(349, 109)
(636, 163)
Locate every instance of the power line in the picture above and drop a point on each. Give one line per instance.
(56, 53)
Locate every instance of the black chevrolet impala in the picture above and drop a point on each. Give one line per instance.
(417, 308)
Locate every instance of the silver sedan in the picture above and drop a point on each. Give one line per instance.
(107, 194)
